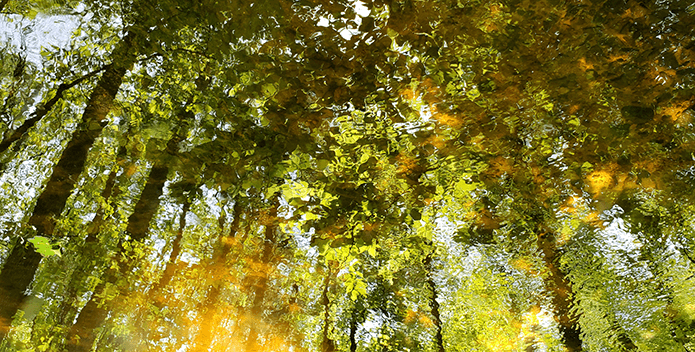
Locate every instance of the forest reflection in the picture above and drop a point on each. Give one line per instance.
(347, 176)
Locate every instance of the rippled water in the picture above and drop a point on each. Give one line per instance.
(31, 35)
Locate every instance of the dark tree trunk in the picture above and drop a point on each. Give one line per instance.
(261, 284)
(138, 227)
(65, 174)
(434, 310)
(67, 307)
(15, 278)
(2, 5)
(95, 226)
(561, 289)
(83, 332)
(172, 263)
(18, 276)
(147, 205)
(42, 110)
(353, 333)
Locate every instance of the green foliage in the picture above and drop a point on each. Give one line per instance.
(45, 246)
(357, 176)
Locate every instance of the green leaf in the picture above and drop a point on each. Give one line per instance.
(44, 246)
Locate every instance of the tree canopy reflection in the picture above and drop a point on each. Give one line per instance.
(349, 176)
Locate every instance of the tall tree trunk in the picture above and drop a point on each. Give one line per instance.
(65, 173)
(327, 345)
(434, 304)
(156, 294)
(261, 285)
(147, 205)
(204, 339)
(109, 191)
(68, 306)
(561, 288)
(173, 262)
(16, 277)
(353, 332)
(83, 332)
(137, 228)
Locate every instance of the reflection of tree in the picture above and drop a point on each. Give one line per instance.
(434, 304)
(60, 185)
(258, 277)
(563, 296)
(449, 176)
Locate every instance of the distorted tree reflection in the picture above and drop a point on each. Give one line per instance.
(349, 176)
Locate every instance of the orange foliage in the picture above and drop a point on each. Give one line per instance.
(569, 206)
(425, 321)
(594, 219)
(585, 65)
(674, 113)
(499, 166)
(405, 163)
(446, 119)
(524, 265)
(408, 94)
(410, 316)
(599, 181)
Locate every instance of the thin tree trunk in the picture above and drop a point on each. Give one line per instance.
(84, 332)
(434, 310)
(65, 174)
(353, 333)
(561, 288)
(261, 286)
(172, 263)
(328, 345)
(157, 297)
(71, 295)
(204, 339)
(67, 306)
(109, 191)
(42, 110)
(147, 205)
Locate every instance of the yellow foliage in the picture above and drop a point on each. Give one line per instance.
(593, 219)
(425, 321)
(408, 94)
(569, 206)
(599, 181)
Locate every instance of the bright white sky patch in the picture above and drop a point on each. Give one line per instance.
(362, 11)
(323, 22)
(41, 32)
